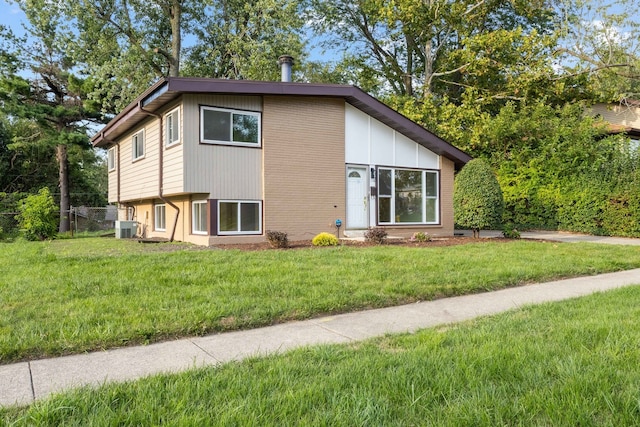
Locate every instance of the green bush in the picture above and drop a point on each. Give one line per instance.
(420, 236)
(477, 197)
(278, 239)
(509, 231)
(38, 216)
(377, 235)
(325, 239)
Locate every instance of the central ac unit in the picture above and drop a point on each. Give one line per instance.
(126, 229)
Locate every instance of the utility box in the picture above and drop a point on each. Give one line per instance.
(126, 229)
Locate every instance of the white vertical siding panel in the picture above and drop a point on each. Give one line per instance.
(381, 143)
(427, 159)
(405, 151)
(356, 136)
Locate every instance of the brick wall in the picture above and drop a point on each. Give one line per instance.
(304, 169)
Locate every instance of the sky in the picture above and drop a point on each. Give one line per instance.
(11, 16)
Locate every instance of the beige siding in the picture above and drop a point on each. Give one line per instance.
(144, 217)
(113, 181)
(223, 172)
(447, 170)
(173, 159)
(304, 165)
(139, 179)
(628, 116)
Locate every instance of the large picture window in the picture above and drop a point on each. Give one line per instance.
(223, 126)
(172, 127)
(199, 217)
(239, 217)
(159, 214)
(137, 144)
(407, 196)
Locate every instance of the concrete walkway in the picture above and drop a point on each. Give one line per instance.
(25, 382)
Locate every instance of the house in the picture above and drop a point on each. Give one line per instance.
(212, 161)
(623, 117)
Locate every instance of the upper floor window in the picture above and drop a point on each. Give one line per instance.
(137, 143)
(224, 126)
(172, 127)
(111, 158)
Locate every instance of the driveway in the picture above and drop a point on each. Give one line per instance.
(561, 236)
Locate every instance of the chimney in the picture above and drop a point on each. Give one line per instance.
(286, 62)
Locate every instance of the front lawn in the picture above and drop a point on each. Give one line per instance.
(572, 363)
(71, 296)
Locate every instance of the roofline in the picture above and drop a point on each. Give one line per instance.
(351, 94)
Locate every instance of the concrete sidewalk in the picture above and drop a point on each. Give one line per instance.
(22, 383)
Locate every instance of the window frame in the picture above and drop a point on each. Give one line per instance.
(160, 217)
(111, 159)
(195, 219)
(239, 232)
(393, 196)
(175, 116)
(257, 114)
(137, 140)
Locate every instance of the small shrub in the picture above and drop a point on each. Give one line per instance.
(39, 216)
(325, 239)
(278, 239)
(510, 232)
(377, 235)
(420, 236)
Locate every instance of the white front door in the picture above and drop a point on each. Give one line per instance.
(357, 198)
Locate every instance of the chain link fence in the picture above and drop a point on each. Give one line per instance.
(85, 219)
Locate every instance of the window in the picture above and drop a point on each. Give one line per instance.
(159, 218)
(407, 196)
(137, 142)
(172, 127)
(239, 217)
(221, 126)
(111, 159)
(199, 217)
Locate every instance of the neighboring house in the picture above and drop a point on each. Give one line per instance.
(623, 117)
(214, 161)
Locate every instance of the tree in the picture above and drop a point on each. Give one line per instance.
(50, 102)
(477, 198)
(241, 39)
(603, 42)
(409, 45)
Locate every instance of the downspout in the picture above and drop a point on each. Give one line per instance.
(161, 168)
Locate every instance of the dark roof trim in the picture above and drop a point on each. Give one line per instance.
(170, 88)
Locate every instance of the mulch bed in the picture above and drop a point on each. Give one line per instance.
(438, 241)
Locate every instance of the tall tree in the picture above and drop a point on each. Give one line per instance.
(603, 42)
(408, 44)
(242, 39)
(51, 98)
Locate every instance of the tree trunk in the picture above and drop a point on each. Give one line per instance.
(176, 38)
(63, 183)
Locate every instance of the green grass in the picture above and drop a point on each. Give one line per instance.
(71, 296)
(573, 363)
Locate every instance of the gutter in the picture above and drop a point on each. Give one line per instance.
(161, 168)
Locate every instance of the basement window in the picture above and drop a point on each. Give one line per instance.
(239, 217)
(159, 214)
